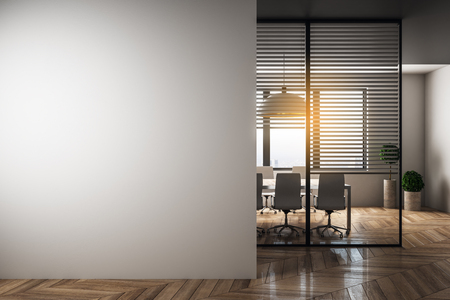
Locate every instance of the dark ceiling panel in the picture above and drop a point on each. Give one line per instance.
(333, 9)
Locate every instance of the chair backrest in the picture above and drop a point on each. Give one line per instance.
(299, 169)
(331, 192)
(287, 191)
(259, 183)
(266, 171)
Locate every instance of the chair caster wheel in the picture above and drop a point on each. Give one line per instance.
(304, 230)
(275, 212)
(298, 234)
(347, 232)
(341, 236)
(322, 235)
(261, 213)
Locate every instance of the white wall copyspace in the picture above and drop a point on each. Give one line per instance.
(127, 141)
(437, 139)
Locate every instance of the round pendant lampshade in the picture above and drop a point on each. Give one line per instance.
(282, 105)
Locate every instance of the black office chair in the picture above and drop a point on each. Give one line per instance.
(287, 197)
(267, 173)
(302, 171)
(330, 198)
(259, 204)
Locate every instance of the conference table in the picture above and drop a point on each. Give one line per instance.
(269, 184)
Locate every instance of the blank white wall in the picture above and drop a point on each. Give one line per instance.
(127, 139)
(437, 139)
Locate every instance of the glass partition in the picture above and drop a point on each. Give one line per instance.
(347, 137)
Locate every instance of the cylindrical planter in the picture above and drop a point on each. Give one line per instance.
(412, 200)
(390, 189)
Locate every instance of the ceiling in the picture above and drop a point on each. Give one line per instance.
(420, 69)
(346, 9)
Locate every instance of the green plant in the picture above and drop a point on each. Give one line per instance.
(390, 154)
(412, 182)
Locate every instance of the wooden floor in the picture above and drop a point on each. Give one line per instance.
(419, 270)
(370, 225)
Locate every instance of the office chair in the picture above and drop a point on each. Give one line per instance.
(267, 173)
(302, 171)
(287, 197)
(330, 198)
(259, 204)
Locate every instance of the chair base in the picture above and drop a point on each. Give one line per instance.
(336, 228)
(260, 231)
(303, 207)
(270, 209)
(267, 206)
(286, 225)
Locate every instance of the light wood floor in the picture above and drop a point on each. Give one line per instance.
(419, 270)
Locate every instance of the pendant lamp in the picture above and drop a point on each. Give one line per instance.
(282, 105)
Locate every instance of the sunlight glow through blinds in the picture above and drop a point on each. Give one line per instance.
(355, 95)
(354, 84)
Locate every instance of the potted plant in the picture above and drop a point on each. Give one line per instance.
(390, 154)
(412, 184)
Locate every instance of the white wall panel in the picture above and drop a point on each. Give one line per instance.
(127, 139)
(437, 139)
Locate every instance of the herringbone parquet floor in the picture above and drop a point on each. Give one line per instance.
(419, 270)
(370, 225)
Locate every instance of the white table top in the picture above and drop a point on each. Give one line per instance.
(270, 184)
(313, 182)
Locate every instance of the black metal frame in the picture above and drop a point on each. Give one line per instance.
(307, 144)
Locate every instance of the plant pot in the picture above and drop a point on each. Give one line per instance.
(413, 201)
(390, 192)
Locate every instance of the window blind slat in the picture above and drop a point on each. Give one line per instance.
(354, 84)
(354, 111)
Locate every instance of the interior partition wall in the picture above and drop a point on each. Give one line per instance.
(349, 76)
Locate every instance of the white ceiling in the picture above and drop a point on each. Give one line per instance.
(420, 69)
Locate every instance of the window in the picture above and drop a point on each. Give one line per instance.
(280, 67)
(354, 94)
(339, 131)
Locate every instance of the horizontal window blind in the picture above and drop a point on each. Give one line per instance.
(354, 90)
(280, 66)
(354, 82)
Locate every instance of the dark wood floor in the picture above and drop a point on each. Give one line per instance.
(419, 270)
